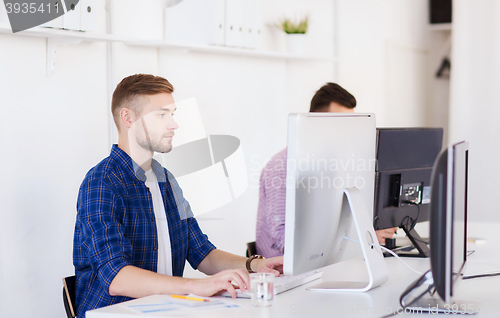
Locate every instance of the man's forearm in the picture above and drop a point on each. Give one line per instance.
(218, 260)
(135, 282)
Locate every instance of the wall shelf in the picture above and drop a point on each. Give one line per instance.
(60, 33)
(224, 50)
(58, 37)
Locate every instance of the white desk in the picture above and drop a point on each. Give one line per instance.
(375, 303)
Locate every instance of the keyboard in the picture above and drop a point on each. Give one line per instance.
(283, 283)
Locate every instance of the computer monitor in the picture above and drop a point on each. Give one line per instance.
(448, 226)
(405, 157)
(329, 194)
(448, 236)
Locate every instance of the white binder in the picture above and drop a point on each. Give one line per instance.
(87, 15)
(71, 20)
(258, 24)
(235, 23)
(253, 24)
(196, 21)
(249, 32)
(58, 22)
(220, 21)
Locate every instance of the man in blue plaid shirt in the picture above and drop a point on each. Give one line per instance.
(134, 230)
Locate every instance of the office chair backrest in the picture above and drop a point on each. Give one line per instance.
(69, 296)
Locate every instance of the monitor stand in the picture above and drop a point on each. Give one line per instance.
(354, 210)
(418, 243)
(418, 299)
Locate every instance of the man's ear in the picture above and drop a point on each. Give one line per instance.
(126, 117)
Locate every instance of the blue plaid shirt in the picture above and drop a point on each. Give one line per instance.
(115, 227)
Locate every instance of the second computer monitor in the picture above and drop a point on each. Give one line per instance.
(405, 157)
(327, 153)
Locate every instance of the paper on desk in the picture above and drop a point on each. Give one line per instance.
(174, 305)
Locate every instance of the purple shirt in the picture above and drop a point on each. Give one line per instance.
(270, 235)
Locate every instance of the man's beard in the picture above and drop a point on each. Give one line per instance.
(160, 147)
(145, 141)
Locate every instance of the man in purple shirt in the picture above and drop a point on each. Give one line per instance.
(270, 240)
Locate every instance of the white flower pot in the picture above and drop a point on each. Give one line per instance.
(296, 43)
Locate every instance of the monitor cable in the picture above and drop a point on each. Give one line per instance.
(388, 250)
(402, 310)
(481, 275)
(409, 218)
(413, 221)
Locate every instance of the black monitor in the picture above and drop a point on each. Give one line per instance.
(405, 157)
(448, 237)
(448, 226)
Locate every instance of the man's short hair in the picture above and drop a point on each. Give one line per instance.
(331, 92)
(130, 91)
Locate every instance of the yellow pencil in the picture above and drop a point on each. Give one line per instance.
(190, 298)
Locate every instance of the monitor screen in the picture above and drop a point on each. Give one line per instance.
(405, 157)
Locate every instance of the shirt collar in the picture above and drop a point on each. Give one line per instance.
(133, 168)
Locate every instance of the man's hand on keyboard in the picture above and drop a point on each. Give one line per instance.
(222, 281)
(269, 265)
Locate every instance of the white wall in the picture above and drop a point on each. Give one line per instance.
(475, 98)
(53, 130)
(56, 128)
(387, 60)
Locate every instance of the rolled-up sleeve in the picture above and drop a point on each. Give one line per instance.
(199, 245)
(103, 236)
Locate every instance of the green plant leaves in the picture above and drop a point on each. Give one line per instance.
(293, 27)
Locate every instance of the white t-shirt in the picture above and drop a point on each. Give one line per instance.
(164, 248)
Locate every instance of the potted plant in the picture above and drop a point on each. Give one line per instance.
(295, 34)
